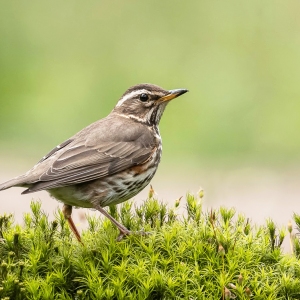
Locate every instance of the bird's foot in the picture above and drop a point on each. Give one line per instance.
(124, 233)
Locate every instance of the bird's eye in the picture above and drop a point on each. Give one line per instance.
(144, 97)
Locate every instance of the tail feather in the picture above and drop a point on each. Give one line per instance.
(17, 181)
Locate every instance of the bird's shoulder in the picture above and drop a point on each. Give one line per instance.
(115, 128)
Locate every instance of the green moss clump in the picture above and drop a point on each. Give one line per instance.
(213, 255)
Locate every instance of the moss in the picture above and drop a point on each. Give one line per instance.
(201, 255)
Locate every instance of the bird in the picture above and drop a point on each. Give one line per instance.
(107, 162)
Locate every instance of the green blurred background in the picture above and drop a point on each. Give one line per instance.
(64, 64)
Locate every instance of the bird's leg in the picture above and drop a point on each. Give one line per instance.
(67, 211)
(123, 230)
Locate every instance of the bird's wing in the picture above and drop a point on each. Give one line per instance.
(54, 150)
(80, 163)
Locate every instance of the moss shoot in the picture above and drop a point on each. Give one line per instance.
(202, 255)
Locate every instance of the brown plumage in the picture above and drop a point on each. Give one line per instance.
(107, 162)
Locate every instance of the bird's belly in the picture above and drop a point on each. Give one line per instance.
(106, 191)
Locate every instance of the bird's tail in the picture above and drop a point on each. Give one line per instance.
(17, 181)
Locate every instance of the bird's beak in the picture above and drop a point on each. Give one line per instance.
(171, 95)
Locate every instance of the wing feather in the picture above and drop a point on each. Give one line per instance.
(81, 164)
(101, 149)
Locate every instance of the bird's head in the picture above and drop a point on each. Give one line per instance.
(145, 103)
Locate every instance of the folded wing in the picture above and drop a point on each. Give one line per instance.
(80, 164)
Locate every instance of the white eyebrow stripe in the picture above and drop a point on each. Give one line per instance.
(131, 95)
